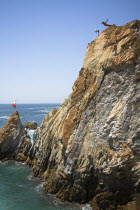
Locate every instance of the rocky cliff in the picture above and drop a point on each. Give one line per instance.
(14, 141)
(90, 146)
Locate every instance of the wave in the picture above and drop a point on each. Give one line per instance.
(39, 188)
(44, 110)
(30, 176)
(37, 107)
(4, 117)
(4, 163)
(86, 207)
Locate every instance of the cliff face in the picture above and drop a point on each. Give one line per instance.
(14, 142)
(91, 144)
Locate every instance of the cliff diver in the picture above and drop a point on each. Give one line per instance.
(105, 23)
(97, 31)
(14, 105)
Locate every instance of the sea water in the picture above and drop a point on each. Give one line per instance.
(27, 112)
(18, 189)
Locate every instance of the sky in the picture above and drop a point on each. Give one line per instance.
(43, 44)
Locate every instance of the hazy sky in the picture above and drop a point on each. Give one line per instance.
(43, 44)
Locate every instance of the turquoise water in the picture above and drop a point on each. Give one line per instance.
(18, 190)
(31, 134)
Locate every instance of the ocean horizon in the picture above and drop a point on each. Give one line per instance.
(27, 111)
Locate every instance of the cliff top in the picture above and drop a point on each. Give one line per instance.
(115, 49)
(116, 45)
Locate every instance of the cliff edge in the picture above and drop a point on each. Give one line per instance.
(90, 146)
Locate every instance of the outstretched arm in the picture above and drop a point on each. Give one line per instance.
(106, 21)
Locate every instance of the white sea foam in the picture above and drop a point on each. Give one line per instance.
(43, 107)
(30, 177)
(86, 207)
(4, 117)
(44, 110)
(31, 131)
(39, 188)
(20, 185)
(37, 107)
(31, 134)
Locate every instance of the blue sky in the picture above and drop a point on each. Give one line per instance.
(43, 44)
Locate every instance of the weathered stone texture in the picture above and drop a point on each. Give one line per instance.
(14, 140)
(91, 144)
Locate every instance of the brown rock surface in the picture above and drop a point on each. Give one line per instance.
(31, 125)
(91, 145)
(13, 139)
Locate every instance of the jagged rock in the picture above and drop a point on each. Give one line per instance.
(91, 144)
(13, 139)
(23, 148)
(31, 125)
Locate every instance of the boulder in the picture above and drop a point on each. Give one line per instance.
(30, 125)
(13, 139)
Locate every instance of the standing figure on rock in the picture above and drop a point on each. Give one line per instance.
(97, 31)
(105, 23)
(14, 105)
